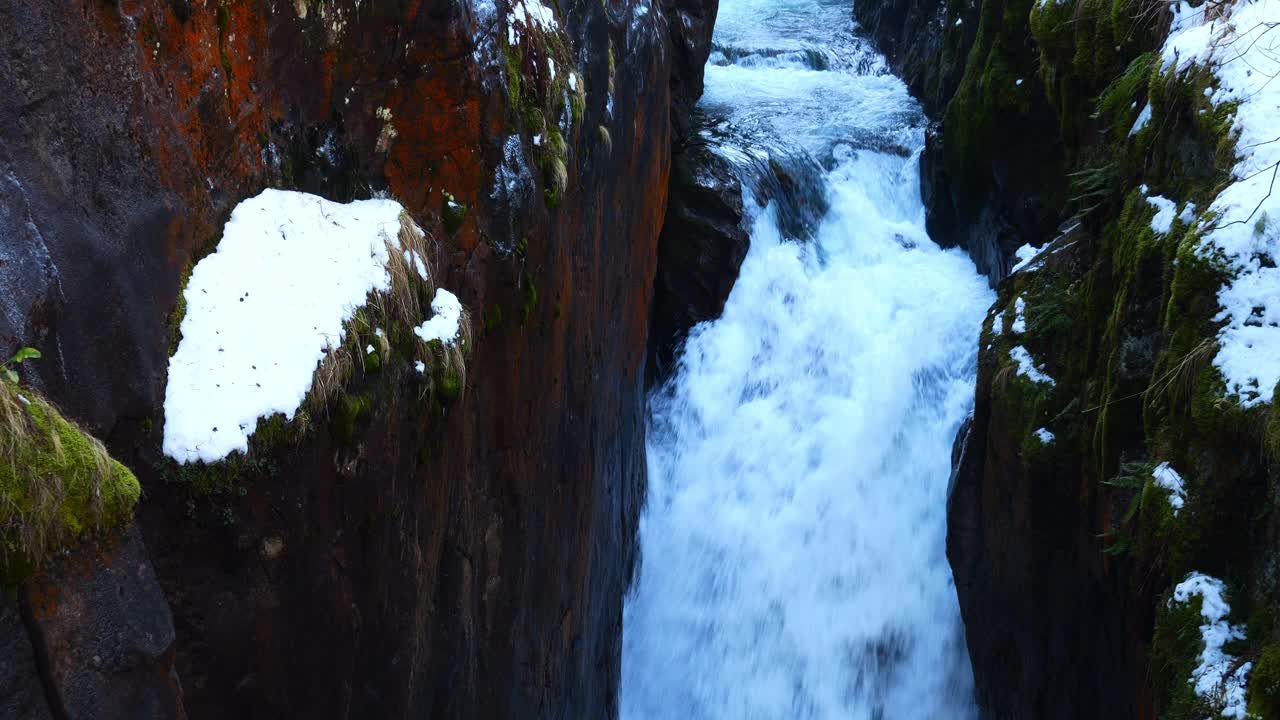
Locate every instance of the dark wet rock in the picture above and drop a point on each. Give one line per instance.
(923, 42)
(28, 278)
(103, 633)
(21, 692)
(703, 243)
(1056, 627)
(992, 173)
(691, 23)
(794, 183)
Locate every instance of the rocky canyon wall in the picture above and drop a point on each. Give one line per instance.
(462, 553)
(1088, 575)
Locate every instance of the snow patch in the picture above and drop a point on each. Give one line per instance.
(1243, 52)
(1169, 479)
(1027, 366)
(1144, 117)
(262, 310)
(529, 14)
(1166, 210)
(1020, 316)
(1216, 678)
(444, 325)
(411, 258)
(1025, 255)
(1044, 436)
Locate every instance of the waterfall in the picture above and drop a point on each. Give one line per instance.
(793, 545)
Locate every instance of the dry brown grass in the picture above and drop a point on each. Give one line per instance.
(331, 376)
(404, 306)
(1179, 382)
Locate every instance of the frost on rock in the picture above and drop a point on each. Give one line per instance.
(1169, 479)
(446, 322)
(1220, 677)
(290, 269)
(1239, 45)
(1027, 366)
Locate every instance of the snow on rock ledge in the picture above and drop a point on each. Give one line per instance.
(1242, 49)
(262, 310)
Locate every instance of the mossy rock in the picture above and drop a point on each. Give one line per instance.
(1264, 683)
(57, 483)
(351, 411)
(493, 317)
(529, 298)
(1175, 653)
(453, 213)
(514, 64)
(448, 385)
(556, 179)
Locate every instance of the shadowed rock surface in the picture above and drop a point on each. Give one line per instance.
(21, 691)
(103, 633)
(992, 172)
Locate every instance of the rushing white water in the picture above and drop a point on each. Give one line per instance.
(793, 545)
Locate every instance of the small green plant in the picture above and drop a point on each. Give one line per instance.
(9, 368)
(1134, 478)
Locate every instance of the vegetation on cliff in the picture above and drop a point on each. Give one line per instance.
(57, 483)
(1144, 309)
(303, 308)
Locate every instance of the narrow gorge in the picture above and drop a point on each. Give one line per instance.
(696, 359)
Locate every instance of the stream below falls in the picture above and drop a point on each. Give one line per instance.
(793, 545)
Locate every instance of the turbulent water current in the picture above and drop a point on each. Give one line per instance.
(793, 544)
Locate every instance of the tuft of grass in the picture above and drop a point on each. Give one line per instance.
(606, 140)
(57, 483)
(332, 375)
(1179, 382)
(396, 312)
(556, 177)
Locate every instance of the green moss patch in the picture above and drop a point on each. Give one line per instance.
(1264, 683)
(57, 483)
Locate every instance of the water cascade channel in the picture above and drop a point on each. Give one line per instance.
(793, 545)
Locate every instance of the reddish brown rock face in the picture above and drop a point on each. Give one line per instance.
(459, 561)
